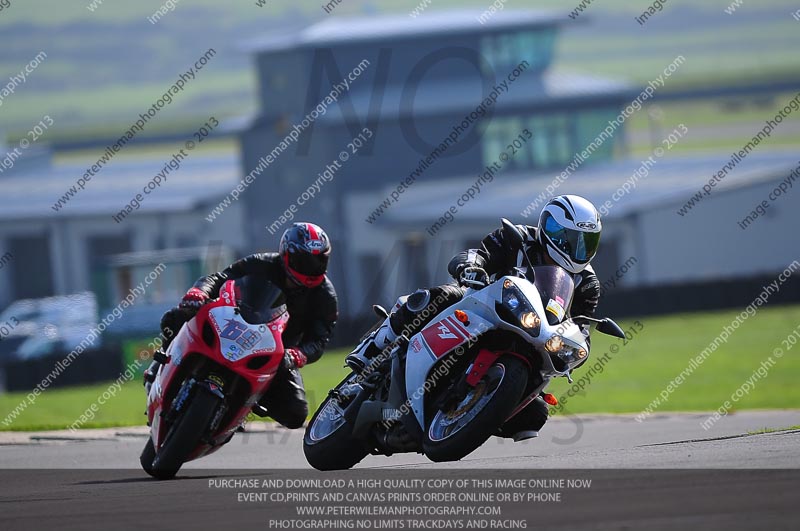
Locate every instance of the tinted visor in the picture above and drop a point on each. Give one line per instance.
(307, 263)
(578, 245)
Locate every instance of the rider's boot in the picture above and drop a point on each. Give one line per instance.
(409, 315)
(403, 317)
(526, 423)
(149, 375)
(381, 338)
(370, 347)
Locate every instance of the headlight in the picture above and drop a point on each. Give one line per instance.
(530, 320)
(567, 352)
(518, 306)
(554, 344)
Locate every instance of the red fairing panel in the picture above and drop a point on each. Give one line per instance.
(236, 342)
(444, 335)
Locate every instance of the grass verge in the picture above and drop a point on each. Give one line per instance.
(630, 380)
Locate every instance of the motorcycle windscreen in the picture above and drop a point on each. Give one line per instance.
(556, 288)
(259, 300)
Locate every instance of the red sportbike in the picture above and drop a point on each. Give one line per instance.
(214, 371)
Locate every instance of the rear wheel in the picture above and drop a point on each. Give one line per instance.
(458, 429)
(328, 442)
(184, 434)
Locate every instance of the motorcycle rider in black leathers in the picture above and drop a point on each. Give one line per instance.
(567, 235)
(299, 269)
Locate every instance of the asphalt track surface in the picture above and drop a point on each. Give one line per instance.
(664, 473)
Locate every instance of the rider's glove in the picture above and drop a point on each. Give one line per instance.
(194, 298)
(468, 275)
(295, 359)
(174, 319)
(459, 276)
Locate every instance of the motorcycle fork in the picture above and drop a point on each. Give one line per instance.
(485, 359)
(180, 400)
(473, 375)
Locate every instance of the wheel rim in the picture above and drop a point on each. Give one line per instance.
(445, 424)
(331, 415)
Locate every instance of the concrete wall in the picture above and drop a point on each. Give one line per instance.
(708, 244)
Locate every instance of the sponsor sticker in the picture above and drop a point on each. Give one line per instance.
(556, 308)
(315, 245)
(217, 380)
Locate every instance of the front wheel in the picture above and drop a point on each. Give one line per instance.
(459, 429)
(184, 435)
(328, 442)
(148, 454)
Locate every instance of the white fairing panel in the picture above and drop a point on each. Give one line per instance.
(443, 334)
(566, 329)
(239, 339)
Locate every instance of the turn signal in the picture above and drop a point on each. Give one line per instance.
(462, 316)
(550, 399)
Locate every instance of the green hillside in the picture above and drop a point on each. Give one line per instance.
(105, 66)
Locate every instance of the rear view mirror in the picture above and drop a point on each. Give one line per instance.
(609, 327)
(512, 233)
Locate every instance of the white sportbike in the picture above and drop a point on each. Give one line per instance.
(444, 391)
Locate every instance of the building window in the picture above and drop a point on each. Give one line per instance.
(557, 137)
(498, 135)
(550, 145)
(589, 125)
(31, 268)
(505, 51)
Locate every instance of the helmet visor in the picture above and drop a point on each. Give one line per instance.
(307, 263)
(578, 245)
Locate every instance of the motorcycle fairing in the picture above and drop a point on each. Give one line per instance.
(479, 306)
(239, 339)
(566, 329)
(257, 340)
(441, 336)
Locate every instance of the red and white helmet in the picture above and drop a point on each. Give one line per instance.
(305, 250)
(569, 228)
